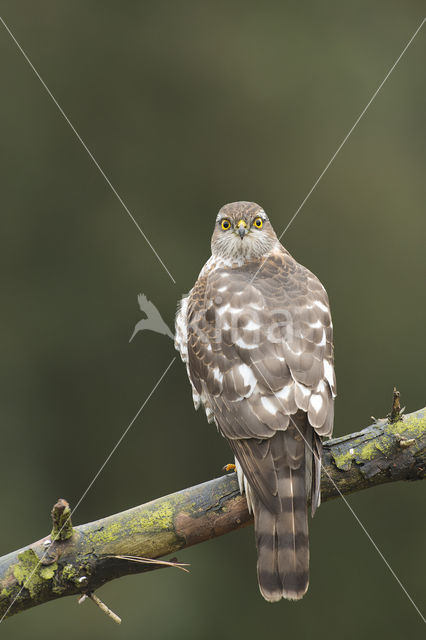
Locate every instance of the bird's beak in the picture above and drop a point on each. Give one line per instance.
(241, 228)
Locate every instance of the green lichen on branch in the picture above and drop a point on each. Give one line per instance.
(383, 452)
(381, 438)
(27, 576)
(25, 572)
(80, 559)
(61, 518)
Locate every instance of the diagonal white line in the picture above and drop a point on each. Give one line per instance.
(346, 502)
(333, 157)
(119, 441)
(90, 154)
(95, 477)
(377, 548)
(330, 162)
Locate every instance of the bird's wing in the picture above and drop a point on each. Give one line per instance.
(153, 315)
(259, 351)
(147, 306)
(142, 300)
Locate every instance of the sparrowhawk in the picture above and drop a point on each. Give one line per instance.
(256, 335)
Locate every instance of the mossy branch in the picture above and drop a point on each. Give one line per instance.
(78, 560)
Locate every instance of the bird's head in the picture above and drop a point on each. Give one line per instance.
(242, 232)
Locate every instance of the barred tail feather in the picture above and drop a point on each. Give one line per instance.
(283, 541)
(316, 474)
(280, 474)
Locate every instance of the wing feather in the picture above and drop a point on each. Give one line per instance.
(258, 352)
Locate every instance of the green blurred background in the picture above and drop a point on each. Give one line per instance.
(187, 106)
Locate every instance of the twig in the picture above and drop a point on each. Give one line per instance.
(396, 412)
(163, 563)
(102, 606)
(61, 518)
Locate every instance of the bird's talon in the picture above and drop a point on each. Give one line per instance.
(229, 467)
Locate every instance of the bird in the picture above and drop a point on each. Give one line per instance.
(153, 320)
(256, 335)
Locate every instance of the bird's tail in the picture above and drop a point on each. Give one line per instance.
(282, 541)
(282, 535)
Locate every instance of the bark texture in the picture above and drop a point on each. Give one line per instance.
(78, 560)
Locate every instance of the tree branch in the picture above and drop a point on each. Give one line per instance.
(78, 560)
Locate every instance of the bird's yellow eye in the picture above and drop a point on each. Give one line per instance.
(258, 223)
(225, 224)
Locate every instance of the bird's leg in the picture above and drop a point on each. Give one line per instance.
(229, 467)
